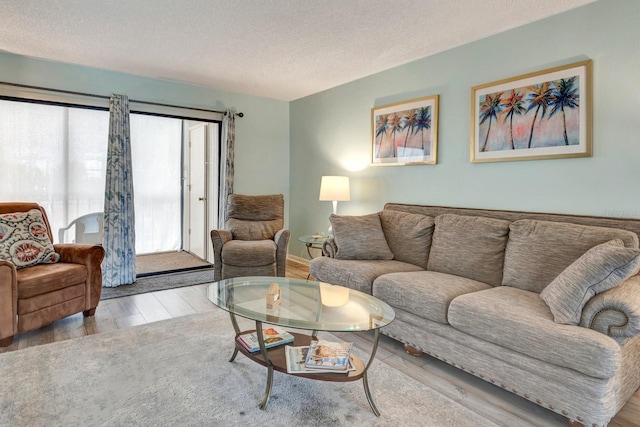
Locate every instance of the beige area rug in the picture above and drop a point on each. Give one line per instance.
(176, 373)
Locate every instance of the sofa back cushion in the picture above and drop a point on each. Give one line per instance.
(538, 251)
(469, 246)
(408, 235)
(359, 237)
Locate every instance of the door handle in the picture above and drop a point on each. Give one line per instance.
(202, 199)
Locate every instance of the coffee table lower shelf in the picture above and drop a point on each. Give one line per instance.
(278, 360)
(274, 359)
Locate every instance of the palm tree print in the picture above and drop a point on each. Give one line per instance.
(539, 98)
(410, 122)
(423, 123)
(489, 109)
(382, 123)
(564, 95)
(513, 105)
(395, 124)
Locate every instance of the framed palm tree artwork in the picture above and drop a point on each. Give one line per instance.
(541, 115)
(405, 133)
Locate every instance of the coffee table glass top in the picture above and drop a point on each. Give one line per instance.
(304, 304)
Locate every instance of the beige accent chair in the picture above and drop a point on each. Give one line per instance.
(253, 242)
(35, 296)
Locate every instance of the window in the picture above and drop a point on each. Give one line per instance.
(56, 156)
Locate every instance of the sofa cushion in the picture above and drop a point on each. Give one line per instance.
(538, 251)
(599, 269)
(248, 253)
(355, 274)
(408, 235)
(520, 321)
(359, 237)
(469, 246)
(24, 239)
(44, 278)
(424, 293)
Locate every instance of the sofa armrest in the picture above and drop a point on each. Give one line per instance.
(615, 312)
(8, 300)
(218, 239)
(329, 248)
(91, 256)
(282, 242)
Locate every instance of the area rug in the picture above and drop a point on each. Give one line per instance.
(176, 373)
(159, 283)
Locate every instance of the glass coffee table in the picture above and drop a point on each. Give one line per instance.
(305, 305)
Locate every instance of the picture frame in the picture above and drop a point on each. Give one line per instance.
(405, 133)
(541, 115)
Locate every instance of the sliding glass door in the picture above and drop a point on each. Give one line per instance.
(56, 155)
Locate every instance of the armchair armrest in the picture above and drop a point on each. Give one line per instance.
(218, 239)
(8, 302)
(282, 242)
(90, 256)
(615, 312)
(329, 248)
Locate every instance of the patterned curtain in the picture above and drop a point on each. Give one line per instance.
(119, 265)
(226, 164)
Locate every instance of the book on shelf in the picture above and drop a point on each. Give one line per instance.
(296, 357)
(329, 355)
(273, 336)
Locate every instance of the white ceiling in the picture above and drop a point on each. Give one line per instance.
(283, 49)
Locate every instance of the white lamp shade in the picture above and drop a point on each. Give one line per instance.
(335, 188)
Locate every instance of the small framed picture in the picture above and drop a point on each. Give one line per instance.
(405, 133)
(541, 115)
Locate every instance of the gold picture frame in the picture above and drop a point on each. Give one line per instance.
(405, 133)
(541, 115)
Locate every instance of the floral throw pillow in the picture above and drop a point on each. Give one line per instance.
(24, 240)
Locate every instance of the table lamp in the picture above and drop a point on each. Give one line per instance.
(334, 189)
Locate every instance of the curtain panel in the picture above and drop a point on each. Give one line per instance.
(119, 265)
(226, 164)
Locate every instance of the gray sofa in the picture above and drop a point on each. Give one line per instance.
(545, 306)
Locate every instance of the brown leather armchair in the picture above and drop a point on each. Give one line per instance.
(35, 296)
(253, 242)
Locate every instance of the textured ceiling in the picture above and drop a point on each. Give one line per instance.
(283, 49)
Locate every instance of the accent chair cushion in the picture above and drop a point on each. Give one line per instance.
(408, 235)
(249, 253)
(538, 251)
(360, 237)
(469, 246)
(600, 268)
(24, 239)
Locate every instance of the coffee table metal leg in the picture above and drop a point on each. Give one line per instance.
(263, 350)
(234, 322)
(365, 382)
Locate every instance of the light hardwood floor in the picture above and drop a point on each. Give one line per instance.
(487, 400)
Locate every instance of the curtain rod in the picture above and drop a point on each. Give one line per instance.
(69, 92)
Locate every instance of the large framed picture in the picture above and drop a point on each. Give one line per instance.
(542, 115)
(405, 133)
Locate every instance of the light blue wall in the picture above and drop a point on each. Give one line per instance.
(330, 131)
(262, 135)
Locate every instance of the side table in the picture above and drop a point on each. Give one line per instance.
(313, 242)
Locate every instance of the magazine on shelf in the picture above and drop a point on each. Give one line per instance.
(296, 357)
(273, 336)
(328, 355)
